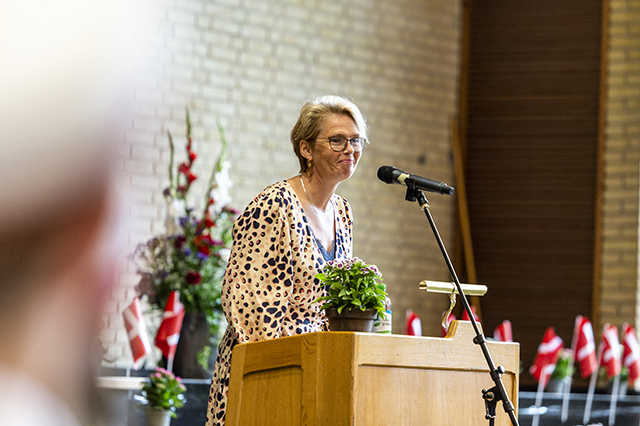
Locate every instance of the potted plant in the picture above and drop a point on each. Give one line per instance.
(190, 257)
(355, 295)
(163, 393)
(561, 373)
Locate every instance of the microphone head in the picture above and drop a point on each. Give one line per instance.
(385, 174)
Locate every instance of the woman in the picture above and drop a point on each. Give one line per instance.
(285, 236)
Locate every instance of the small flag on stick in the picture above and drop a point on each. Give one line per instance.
(631, 353)
(583, 349)
(413, 325)
(543, 365)
(585, 352)
(136, 331)
(502, 333)
(169, 331)
(545, 361)
(451, 318)
(465, 315)
(611, 351)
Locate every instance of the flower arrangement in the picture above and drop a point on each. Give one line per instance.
(352, 284)
(163, 391)
(191, 255)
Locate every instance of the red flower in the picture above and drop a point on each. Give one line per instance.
(193, 278)
(179, 241)
(191, 177)
(208, 222)
(184, 168)
(192, 156)
(203, 243)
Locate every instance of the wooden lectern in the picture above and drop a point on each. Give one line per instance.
(366, 379)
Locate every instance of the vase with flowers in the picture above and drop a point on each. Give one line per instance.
(162, 395)
(355, 295)
(190, 257)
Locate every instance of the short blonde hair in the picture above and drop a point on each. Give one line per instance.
(312, 117)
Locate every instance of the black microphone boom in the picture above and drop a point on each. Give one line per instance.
(389, 174)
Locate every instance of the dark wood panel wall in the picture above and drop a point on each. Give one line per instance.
(530, 116)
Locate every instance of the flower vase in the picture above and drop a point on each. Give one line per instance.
(351, 319)
(194, 335)
(157, 417)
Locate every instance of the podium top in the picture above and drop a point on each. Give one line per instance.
(456, 351)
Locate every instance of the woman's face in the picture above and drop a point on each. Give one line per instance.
(330, 165)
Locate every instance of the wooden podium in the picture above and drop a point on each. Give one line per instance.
(366, 379)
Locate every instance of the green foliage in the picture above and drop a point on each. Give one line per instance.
(191, 256)
(352, 284)
(164, 391)
(562, 369)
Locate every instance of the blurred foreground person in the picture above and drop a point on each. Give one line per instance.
(59, 92)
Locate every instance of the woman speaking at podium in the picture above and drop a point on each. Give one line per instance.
(285, 236)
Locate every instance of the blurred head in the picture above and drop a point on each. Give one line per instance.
(62, 81)
(315, 114)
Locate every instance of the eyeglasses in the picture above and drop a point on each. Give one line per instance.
(339, 143)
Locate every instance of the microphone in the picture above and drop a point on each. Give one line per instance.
(389, 174)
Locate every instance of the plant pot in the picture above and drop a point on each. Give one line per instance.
(556, 385)
(157, 417)
(351, 319)
(194, 335)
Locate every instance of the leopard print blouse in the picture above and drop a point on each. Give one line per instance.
(269, 282)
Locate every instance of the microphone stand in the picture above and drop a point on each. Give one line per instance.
(498, 392)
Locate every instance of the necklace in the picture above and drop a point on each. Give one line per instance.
(309, 198)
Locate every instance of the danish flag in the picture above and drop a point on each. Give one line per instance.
(413, 324)
(585, 347)
(631, 353)
(502, 333)
(451, 318)
(169, 331)
(547, 356)
(611, 351)
(465, 315)
(136, 330)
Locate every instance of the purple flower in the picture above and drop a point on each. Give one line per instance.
(183, 221)
(202, 256)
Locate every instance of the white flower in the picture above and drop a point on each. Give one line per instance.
(224, 254)
(179, 209)
(220, 191)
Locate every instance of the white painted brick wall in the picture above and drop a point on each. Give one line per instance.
(252, 64)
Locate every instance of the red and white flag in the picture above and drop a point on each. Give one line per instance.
(611, 351)
(169, 331)
(451, 318)
(547, 356)
(631, 353)
(465, 315)
(413, 325)
(136, 330)
(502, 333)
(585, 347)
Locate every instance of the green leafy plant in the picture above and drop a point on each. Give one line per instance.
(352, 284)
(191, 255)
(163, 391)
(562, 369)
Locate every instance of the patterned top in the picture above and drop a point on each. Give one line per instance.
(269, 283)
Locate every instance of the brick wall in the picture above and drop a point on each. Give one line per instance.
(252, 64)
(620, 278)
